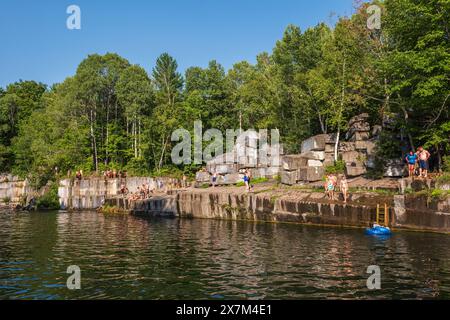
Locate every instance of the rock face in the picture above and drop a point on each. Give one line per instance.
(289, 177)
(316, 143)
(311, 174)
(293, 162)
(14, 189)
(249, 153)
(304, 208)
(357, 151)
(395, 168)
(91, 193)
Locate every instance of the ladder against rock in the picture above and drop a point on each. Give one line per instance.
(383, 215)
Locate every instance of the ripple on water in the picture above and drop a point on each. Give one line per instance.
(125, 257)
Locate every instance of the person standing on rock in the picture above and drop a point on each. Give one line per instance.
(214, 179)
(344, 187)
(423, 155)
(247, 180)
(330, 185)
(411, 159)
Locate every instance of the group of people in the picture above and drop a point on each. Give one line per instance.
(331, 183)
(113, 174)
(420, 159)
(143, 192)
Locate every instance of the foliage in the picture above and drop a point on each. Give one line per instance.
(112, 210)
(113, 114)
(253, 182)
(440, 194)
(6, 200)
(50, 200)
(446, 166)
(444, 179)
(337, 168)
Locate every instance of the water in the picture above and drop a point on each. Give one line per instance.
(126, 257)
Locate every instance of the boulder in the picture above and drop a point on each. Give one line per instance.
(360, 136)
(316, 143)
(328, 163)
(289, 177)
(347, 146)
(314, 155)
(330, 138)
(202, 176)
(370, 147)
(272, 172)
(359, 118)
(293, 162)
(311, 174)
(222, 168)
(230, 178)
(355, 170)
(315, 163)
(350, 156)
(258, 172)
(329, 148)
(247, 162)
(395, 168)
(363, 145)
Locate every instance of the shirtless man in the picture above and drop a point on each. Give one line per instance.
(423, 155)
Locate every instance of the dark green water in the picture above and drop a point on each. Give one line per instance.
(125, 257)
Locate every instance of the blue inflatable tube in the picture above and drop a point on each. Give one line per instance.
(378, 231)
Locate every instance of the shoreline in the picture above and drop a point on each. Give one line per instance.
(284, 205)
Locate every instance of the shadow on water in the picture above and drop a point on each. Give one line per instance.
(126, 257)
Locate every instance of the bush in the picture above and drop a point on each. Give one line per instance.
(252, 181)
(446, 164)
(50, 200)
(6, 200)
(439, 194)
(337, 168)
(444, 179)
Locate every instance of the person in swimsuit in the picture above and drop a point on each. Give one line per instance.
(411, 159)
(329, 186)
(344, 187)
(423, 155)
(247, 181)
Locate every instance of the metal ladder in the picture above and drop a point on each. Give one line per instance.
(383, 215)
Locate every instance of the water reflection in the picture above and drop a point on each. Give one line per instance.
(125, 257)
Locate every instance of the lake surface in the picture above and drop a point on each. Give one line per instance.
(127, 257)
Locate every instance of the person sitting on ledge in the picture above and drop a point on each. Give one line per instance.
(123, 189)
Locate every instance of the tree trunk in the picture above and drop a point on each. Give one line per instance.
(107, 133)
(406, 117)
(336, 145)
(94, 142)
(139, 138)
(162, 153)
(341, 110)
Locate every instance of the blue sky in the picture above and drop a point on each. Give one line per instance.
(36, 45)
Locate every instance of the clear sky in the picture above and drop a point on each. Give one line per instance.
(35, 43)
